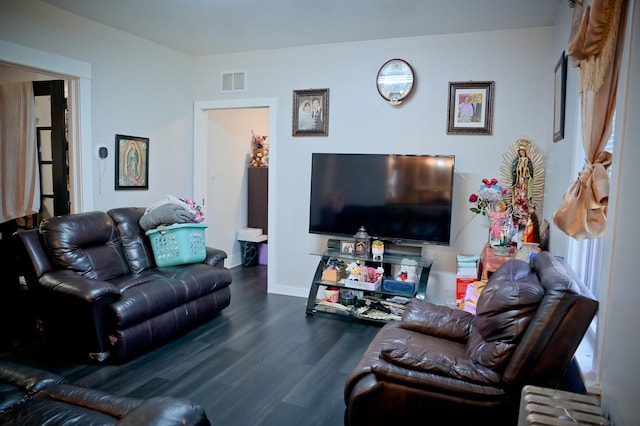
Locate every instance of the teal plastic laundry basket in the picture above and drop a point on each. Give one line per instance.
(178, 244)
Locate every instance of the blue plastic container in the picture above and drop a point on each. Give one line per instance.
(178, 244)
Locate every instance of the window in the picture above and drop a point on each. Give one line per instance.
(587, 255)
(586, 259)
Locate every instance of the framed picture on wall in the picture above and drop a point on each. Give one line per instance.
(559, 95)
(470, 108)
(311, 112)
(132, 162)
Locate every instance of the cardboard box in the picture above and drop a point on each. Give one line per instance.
(333, 275)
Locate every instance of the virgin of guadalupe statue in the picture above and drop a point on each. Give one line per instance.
(522, 183)
(523, 172)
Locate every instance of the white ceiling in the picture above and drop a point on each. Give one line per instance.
(202, 27)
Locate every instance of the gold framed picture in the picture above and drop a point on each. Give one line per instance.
(470, 108)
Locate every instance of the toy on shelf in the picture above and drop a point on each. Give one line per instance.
(377, 249)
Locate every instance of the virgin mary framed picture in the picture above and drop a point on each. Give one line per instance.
(132, 162)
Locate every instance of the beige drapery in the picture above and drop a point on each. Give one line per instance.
(19, 175)
(595, 46)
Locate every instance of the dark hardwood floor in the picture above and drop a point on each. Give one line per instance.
(261, 361)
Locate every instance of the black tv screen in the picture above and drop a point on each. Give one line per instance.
(398, 198)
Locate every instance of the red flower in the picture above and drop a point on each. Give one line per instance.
(473, 198)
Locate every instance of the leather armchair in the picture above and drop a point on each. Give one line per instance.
(451, 366)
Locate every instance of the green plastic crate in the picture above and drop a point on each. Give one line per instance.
(178, 244)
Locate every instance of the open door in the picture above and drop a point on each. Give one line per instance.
(53, 148)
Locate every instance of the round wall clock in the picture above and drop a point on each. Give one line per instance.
(395, 81)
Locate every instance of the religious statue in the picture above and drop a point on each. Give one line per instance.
(523, 173)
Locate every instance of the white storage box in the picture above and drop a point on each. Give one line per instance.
(362, 285)
(249, 234)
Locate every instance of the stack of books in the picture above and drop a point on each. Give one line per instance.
(466, 273)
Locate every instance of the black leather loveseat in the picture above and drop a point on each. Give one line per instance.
(97, 288)
(447, 366)
(34, 397)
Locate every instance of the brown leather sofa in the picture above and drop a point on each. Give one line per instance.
(447, 366)
(98, 290)
(34, 397)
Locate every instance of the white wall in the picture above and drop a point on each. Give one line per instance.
(138, 88)
(519, 62)
(561, 169)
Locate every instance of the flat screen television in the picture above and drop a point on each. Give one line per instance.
(397, 198)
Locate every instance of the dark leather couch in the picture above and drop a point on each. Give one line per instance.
(98, 290)
(33, 397)
(447, 366)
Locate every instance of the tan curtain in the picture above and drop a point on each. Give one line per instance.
(595, 46)
(19, 177)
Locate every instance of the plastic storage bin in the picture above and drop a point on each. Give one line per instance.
(178, 244)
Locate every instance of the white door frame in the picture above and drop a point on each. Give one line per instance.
(78, 76)
(200, 155)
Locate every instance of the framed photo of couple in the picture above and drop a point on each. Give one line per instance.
(311, 112)
(470, 108)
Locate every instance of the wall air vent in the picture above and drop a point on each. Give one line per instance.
(232, 81)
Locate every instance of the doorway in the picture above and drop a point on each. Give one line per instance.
(210, 186)
(77, 75)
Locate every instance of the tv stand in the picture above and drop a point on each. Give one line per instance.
(371, 296)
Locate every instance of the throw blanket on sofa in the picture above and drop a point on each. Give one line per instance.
(169, 211)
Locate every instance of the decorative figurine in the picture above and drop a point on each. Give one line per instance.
(361, 243)
(354, 271)
(377, 249)
(498, 218)
(523, 172)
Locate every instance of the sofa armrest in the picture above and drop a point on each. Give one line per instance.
(215, 257)
(436, 320)
(33, 257)
(130, 411)
(166, 411)
(30, 379)
(69, 283)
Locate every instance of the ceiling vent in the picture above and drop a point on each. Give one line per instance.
(233, 81)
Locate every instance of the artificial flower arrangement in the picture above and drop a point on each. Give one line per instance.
(489, 194)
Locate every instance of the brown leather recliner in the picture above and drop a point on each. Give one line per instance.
(97, 289)
(446, 365)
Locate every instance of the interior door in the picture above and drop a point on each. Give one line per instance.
(53, 148)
